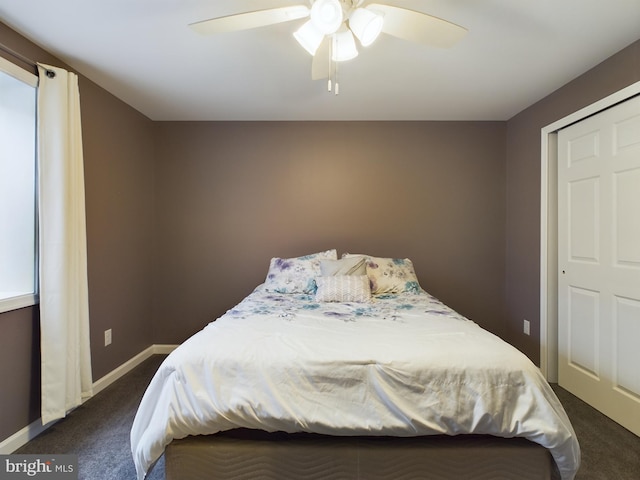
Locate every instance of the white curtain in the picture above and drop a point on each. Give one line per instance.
(64, 299)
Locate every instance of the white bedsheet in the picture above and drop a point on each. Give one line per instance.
(404, 365)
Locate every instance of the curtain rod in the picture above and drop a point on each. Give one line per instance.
(20, 57)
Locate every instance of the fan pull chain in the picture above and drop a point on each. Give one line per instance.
(333, 70)
(329, 83)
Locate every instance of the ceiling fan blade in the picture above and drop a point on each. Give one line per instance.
(248, 20)
(321, 62)
(419, 27)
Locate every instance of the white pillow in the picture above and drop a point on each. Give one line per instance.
(343, 288)
(345, 266)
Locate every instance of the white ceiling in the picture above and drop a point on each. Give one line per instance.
(142, 51)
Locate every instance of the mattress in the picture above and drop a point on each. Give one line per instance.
(402, 365)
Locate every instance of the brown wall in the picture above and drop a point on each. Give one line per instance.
(118, 153)
(19, 369)
(232, 195)
(523, 186)
(119, 164)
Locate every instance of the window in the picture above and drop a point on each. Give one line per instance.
(18, 242)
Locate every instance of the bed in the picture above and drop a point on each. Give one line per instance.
(342, 365)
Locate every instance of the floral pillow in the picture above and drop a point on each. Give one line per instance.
(343, 288)
(390, 275)
(296, 275)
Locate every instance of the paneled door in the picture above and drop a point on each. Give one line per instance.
(599, 261)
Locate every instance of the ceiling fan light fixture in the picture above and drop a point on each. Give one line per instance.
(309, 37)
(327, 15)
(343, 46)
(366, 24)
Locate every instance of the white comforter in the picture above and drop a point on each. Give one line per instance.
(404, 365)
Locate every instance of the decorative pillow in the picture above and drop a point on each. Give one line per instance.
(390, 275)
(343, 288)
(296, 275)
(345, 266)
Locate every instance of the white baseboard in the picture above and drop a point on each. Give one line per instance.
(129, 365)
(21, 437)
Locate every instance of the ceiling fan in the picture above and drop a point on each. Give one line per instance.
(333, 26)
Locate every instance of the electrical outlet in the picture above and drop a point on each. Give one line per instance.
(527, 327)
(107, 337)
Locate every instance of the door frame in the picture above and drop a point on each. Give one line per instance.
(549, 230)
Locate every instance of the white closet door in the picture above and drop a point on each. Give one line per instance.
(599, 261)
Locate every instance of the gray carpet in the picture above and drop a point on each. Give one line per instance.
(98, 432)
(609, 451)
